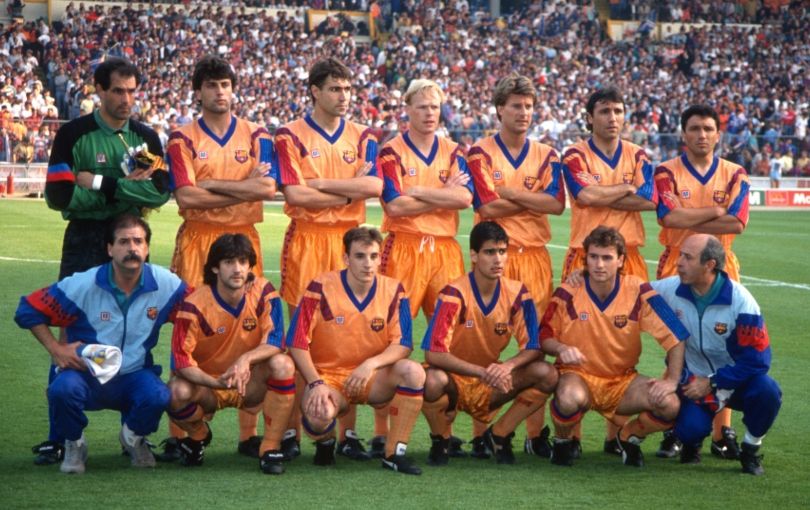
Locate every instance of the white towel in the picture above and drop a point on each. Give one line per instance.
(103, 361)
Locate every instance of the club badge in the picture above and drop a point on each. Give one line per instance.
(620, 321)
(240, 155)
(152, 313)
(377, 324)
(501, 328)
(249, 324)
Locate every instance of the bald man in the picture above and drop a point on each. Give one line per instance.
(728, 353)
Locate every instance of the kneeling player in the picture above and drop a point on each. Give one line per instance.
(475, 317)
(594, 330)
(350, 338)
(226, 347)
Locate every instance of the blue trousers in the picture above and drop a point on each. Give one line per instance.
(759, 400)
(140, 396)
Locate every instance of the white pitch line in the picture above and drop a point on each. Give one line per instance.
(40, 261)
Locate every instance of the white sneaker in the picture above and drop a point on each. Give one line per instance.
(75, 456)
(139, 453)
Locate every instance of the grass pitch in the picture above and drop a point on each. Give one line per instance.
(772, 252)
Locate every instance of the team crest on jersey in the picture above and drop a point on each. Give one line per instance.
(720, 328)
(719, 196)
(377, 324)
(105, 316)
(349, 156)
(583, 316)
(249, 324)
(151, 313)
(202, 154)
(240, 155)
(220, 330)
(412, 172)
(101, 158)
(469, 324)
(339, 320)
(686, 193)
(529, 182)
(497, 175)
(444, 175)
(620, 321)
(501, 328)
(315, 153)
(627, 178)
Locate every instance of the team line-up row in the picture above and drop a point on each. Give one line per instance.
(221, 168)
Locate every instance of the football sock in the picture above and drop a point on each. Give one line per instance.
(525, 403)
(436, 415)
(381, 421)
(721, 419)
(645, 424)
(190, 419)
(248, 419)
(404, 410)
(278, 402)
(348, 421)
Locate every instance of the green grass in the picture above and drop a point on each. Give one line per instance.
(772, 250)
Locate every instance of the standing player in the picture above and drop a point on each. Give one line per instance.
(122, 303)
(350, 338)
(610, 182)
(594, 330)
(517, 183)
(426, 183)
(327, 169)
(475, 317)
(728, 354)
(227, 352)
(221, 168)
(92, 178)
(700, 192)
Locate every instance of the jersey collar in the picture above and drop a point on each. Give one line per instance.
(485, 308)
(609, 162)
(357, 304)
(318, 129)
(521, 157)
(106, 128)
(428, 160)
(602, 305)
(221, 141)
(236, 312)
(692, 170)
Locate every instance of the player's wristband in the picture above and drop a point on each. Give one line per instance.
(316, 382)
(97, 180)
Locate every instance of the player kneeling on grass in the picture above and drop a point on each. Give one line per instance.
(594, 330)
(118, 307)
(475, 317)
(350, 338)
(226, 346)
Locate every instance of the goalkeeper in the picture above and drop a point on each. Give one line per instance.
(87, 183)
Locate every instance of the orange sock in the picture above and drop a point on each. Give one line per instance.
(721, 419)
(190, 419)
(404, 410)
(381, 421)
(436, 416)
(278, 402)
(536, 421)
(645, 424)
(248, 420)
(525, 404)
(176, 430)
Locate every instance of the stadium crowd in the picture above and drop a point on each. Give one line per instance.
(756, 76)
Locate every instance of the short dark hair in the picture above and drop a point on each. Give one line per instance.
(126, 221)
(212, 67)
(714, 251)
(699, 110)
(120, 66)
(362, 235)
(323, 69)
(610, 94)
(605, 237)
(487, 231)
(227, 246)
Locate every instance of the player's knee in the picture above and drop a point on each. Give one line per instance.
(68, 386)
(411, 373)
(180, 392)
(669, 407)
(281, 366)
(436, 382)
(543, 376)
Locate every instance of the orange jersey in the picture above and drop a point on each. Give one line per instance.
(628, 166)
(609, 333)
(196, 154)
(305, 151)
(478, 332)
(404, 166)
(536, 169)
(210, 334)
(724, 185)
(342, 332)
